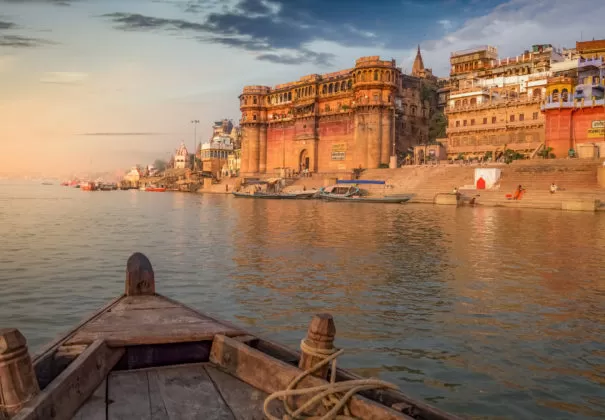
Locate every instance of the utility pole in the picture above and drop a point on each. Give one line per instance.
(195, 123)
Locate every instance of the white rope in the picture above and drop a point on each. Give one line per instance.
(326, 394)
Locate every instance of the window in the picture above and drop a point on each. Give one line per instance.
(327, 108)
(535, 116)
(494, 120)
(254, 117)
(254, 100)
(484, 120)
(464, 123)
(521, 117)
(512, 118)
(376, 96)
(338, 155)
(457, 123)
(472, 122)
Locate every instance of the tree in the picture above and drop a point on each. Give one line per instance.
(437, 126)
(510, 155)
(160, 165)
(546, 153)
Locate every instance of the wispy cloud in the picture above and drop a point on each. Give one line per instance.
(18, 41)
(122, 134)
(56, 2)
(63, 77)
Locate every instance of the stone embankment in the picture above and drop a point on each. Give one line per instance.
(577, 180)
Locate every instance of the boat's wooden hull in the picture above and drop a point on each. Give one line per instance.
(147, 356)
(267, 196)
(368, 199)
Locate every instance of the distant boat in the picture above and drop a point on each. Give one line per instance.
(47, 183)
(88, 186)
(153, 188)
(394, 199)
(259, 194)
(335, 191)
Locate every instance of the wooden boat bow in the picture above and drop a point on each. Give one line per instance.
(144, 355)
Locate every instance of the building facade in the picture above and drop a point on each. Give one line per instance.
(574, 108)
(334, 122)
(181, 157)
(494, 104)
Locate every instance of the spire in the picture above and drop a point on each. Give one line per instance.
(418, 67)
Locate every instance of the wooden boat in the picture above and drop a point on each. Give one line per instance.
(338, 191)
(145, 356)
(395, 199)
(88, 186)
(265, 195)
(153, 188)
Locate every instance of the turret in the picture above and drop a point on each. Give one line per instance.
(253, 105)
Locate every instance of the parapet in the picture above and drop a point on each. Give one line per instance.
(257, 89)
(374, 61)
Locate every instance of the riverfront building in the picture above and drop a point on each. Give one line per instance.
(220, 155)
(338, 121)
(575, 104)
(494, 104)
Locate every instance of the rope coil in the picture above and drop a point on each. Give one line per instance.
(330, 394)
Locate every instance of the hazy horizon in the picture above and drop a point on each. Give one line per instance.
(101, 86)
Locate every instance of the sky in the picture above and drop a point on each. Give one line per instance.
(90, 85)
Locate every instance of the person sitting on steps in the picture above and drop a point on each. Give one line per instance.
(553, 188)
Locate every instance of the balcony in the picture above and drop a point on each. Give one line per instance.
(492, 104)
(593, 62)
(571, 104)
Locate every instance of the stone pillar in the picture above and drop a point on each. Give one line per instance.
(374, 134)
(360, 138)
(262, 149)
(387, 136)
(243, 163)
(253, 146)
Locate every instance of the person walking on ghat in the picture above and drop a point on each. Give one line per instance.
(518, 193)
(553, 188)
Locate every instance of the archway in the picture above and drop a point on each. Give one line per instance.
(304, 161)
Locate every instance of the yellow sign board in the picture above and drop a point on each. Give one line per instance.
(598, 124)
(340, 147)
(594, 133)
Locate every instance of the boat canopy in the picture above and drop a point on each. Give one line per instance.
(360, 181)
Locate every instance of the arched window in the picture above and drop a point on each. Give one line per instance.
(375, 74)
(336, 87)
(473, 101)
(363, 76)
(465, 102)
(245, 100)
(537, 93)
(555, 95)
(254, 100)
(388, 76)
(350, 84)
(331, 88)
(324, 89)
(565, 95)
(457, 104)
(343, 85)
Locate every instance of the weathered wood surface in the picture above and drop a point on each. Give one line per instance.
(182, 392)
(137, 320)
(271, 375)
(320, 337)
(18, 383)
(63, 397)
(140, 279)
(95, 406)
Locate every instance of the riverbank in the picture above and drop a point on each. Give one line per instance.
(433, 184)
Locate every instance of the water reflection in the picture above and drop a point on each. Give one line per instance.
(494, 313)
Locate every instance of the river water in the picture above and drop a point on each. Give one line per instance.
(484, 312)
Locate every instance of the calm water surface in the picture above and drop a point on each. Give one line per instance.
(488, 313)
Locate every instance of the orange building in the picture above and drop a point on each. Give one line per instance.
(337, 121)
(575, 108)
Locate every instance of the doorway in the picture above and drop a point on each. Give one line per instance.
(304, 160)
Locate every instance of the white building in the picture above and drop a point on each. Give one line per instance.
(181, 157)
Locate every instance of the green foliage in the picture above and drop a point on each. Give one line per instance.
(437, 126)
(460, 156)
(488, 155)
(546, 153)
(511, 155)
(160, 165)
(427, 92)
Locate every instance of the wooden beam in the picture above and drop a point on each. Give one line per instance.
(140, 279)
(62, 397)
(18, 382)
(270, 375)
(320, 337)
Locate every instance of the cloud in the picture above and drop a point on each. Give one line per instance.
(55, 2)
(446, 24)
(17, 41)
(122, 134)
(7, 25)
(63, 77)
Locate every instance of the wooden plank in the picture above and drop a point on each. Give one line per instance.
(54, 363)
(130, 303)
(128, 396)
(188, 393)
(271, 375)
(139, 357)
(245, 401)
(62, 398)
(95, 407)
(149, 334)
(115, 320)
(156, 406)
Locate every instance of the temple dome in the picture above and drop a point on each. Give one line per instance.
(182, 150)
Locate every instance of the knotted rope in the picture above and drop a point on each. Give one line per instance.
(328, 394)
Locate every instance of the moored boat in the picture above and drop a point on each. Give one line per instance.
(395, 199)
(88, 186)
(154, 188)
(334, 191)
(266, 195)
(147, 356)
